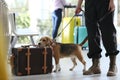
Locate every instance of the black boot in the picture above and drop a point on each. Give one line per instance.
(112, 68)
(94, 69)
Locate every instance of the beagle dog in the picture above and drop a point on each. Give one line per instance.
(61, 50)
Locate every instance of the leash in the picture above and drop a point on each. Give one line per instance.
(68, 23)
(65, 26)
(101, 19)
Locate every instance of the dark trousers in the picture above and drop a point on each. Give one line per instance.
(99, 23)
(56, 20)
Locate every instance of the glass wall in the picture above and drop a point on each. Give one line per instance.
(40, 15)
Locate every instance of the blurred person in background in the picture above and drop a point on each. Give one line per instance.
(57, 7)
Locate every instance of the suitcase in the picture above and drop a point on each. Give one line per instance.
(68, 32)
(80, 34)
(31, 61)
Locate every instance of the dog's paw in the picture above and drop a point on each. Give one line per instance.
(71, 69)
(57, 70)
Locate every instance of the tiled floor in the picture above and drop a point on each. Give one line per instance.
(65, 74)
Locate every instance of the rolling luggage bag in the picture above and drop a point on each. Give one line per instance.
(68, 24)
(31, 61)
(80, 33)
(68, 33)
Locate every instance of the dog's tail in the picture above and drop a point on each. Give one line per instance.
(84, 41)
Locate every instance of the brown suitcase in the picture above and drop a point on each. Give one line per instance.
(31, 61)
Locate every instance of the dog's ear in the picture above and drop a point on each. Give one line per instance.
(49, 40)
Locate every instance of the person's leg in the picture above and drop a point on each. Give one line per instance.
(93, 38)
(53, 24)
(93, 30)
(110, 43)
(57, 21)
(108, 32)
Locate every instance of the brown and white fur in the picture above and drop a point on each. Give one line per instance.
(61, 50)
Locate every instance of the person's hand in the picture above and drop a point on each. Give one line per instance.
(111, 6)
(78, 10)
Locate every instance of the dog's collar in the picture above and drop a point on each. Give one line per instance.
(53, 43)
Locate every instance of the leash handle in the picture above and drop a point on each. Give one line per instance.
(65, 26)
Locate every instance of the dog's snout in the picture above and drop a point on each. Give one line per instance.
(39, 43)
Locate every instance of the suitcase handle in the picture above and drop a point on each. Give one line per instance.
(45, 58)
(28, 68)
(27, 46)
